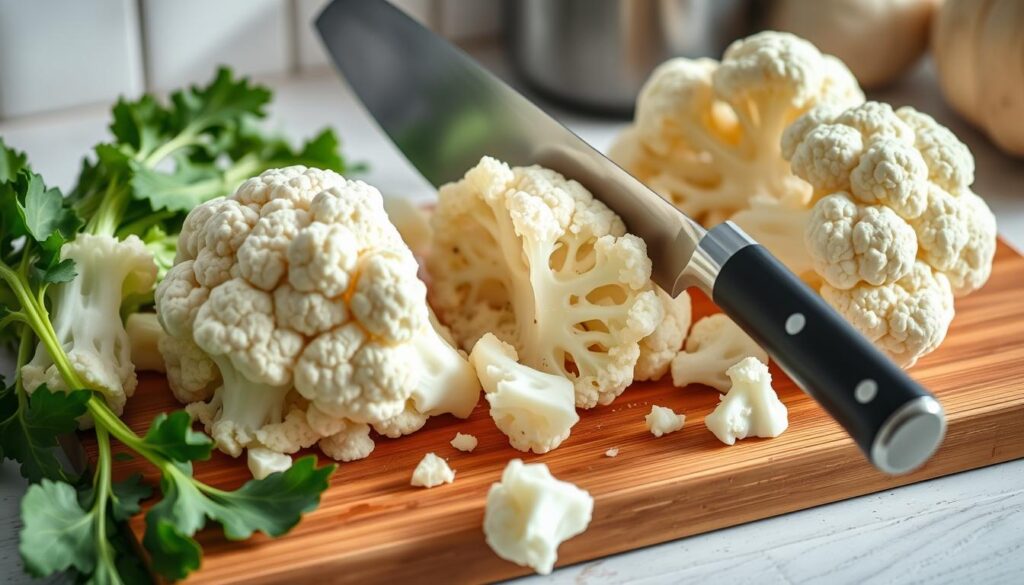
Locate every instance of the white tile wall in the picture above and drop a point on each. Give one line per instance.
(310, 53)
(60, 53)
(185, 40)
(468, 20)
(56, 54)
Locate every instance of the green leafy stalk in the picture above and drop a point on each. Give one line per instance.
(78, 529)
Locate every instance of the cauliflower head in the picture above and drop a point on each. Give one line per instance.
(706, 134)
(294, 309)
(894, 231)
(533, 258)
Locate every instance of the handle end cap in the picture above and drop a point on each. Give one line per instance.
(910, 436)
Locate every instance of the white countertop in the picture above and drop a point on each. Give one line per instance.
(967, 527)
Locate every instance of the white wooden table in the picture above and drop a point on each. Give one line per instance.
(964, 528)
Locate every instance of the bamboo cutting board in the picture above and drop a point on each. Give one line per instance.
(372, 526)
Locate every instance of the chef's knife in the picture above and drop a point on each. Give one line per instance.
(445, 112)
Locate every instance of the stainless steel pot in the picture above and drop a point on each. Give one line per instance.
(597, 53)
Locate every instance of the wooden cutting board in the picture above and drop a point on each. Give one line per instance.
(373, 527)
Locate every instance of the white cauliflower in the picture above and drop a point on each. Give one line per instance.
(658, 348)
(533, 258)
(751, 408)
(529, 514)
(86, 319)
(715, 344)
(432, 471)
(262, 462)
(412, 223)
(295, 310)
(464, 442)
(706, 133)
(144, 333)
(534, 409)
(663, 420)
(894, 231)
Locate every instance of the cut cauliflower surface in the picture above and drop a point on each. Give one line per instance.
(750, 408)
(715, 344)
(707, 134)
(295, 312)
(98, 347)
(262, 462)
(663, 420)
(894, 231)
(533, 258)
(529, 514)
(432, 471)
(534, 409)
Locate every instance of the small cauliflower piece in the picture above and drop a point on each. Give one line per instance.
(263, 462)
(706, 135)
(350, 443)
(613, 452)
(85, 318)
(715, 344)
(532, 257)
(663, 420)
(658, 348)
(529, 514)
(463, 442)
(894, 231)
(144, 332)
(432, 471)
(535, 410)
(751, 408)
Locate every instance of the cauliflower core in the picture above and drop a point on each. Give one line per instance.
(432, 471)
(534, 409)
(295, 312)
(706, 134)
(894, 231)
(529, 513)
(715, 344)
(663, 420)
(751, 408)
(533, 258)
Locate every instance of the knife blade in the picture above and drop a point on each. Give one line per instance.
(445, 112)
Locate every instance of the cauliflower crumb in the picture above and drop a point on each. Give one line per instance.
(529, 513)
(263, 462)
(613, 452)
(663, 420)
(432, 471)
(751, 408)
(464, 442)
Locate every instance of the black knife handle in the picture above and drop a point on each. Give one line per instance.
(893, 419)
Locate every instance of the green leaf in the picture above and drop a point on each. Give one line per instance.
(30, 437)
(188, 186)
(139, 124)
(224, 101)
(44, 209)
(11, 162)
(126, 497)
(172, 436)
(63, 271)
(56, 533)
(172, 554)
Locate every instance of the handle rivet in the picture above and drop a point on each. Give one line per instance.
(795, 323)
(865, 391)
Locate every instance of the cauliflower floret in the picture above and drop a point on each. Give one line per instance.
(351, 443)
(535, 410)
(751, 408)
(715, 344)
(707, 134)
(533, 258)
(263, 462)
(144, 332)
(432, 471)
(529, 514)
(906, 319)
(658, 348)
(295, 312)
(85, 317)
(464, 442)
(663, 420)
(900, 199)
